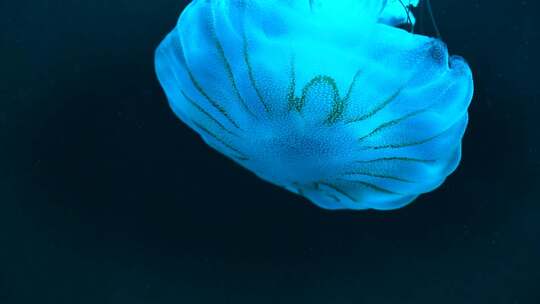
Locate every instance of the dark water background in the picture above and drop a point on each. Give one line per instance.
(107, 198)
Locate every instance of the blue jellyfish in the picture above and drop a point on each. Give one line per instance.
(329, 99)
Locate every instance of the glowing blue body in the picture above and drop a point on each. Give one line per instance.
(326, 98)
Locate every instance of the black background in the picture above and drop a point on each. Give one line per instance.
(106, 197)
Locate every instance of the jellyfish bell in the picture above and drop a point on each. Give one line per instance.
(326, 98)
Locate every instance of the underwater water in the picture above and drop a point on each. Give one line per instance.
(107, 197)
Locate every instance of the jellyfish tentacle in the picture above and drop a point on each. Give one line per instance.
(317, 80)
(377, 108)
(291, 98)
(408, 12)
(405, 145)
(338, 190)
(230, 76)
(188, 77)
(251, 75)
(227, 65)
(367, 173)
(354, 81)
(390, 123)
(370, 186)
(431, 46)
(432, 16)
(461, 121)
(212, 102)
(332, 196)
(240, 154)
(195, 105)
(340, 106)
(403, 159)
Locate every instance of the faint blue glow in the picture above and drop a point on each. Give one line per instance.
(326, 98)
